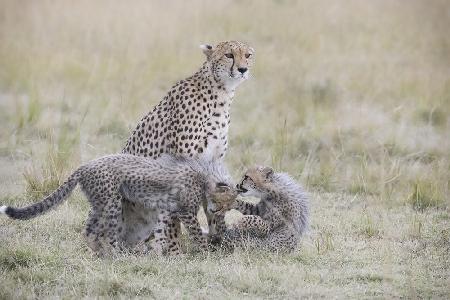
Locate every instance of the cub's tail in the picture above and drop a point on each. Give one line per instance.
(52, 200)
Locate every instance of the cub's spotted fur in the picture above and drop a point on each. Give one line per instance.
(278, 221)
(166, 188)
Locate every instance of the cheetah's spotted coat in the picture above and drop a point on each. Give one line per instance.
(168, 187)
(192, 119)
(277, 222)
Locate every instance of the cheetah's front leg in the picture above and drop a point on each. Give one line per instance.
(192, 225)
(247, 208)
(215, 235)
(253, 225)
(160, 243)
(173, 232)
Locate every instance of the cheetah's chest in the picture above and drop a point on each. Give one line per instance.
(216, 137)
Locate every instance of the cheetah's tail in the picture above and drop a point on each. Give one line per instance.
(52, 200)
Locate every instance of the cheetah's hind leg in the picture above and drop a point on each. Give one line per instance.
(104, 227)
(92, 231)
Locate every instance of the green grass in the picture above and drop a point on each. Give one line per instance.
(352, 99)
(368, 227)
(425, 194)
(51, 172)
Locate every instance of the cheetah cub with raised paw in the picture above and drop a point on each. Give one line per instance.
(277, 222)
(168, 187)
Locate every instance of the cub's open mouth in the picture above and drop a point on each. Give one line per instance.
(240, 189)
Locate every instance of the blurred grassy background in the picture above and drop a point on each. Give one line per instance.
(353, 99)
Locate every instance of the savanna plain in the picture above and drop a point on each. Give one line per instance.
(351, 98)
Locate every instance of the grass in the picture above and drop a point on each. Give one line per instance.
(351, 99)
(425, 194)
(368, 228)
(43, 179)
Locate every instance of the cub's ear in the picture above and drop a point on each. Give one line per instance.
(207, 50)
(268, 172)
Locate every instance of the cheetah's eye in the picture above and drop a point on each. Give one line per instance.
(248, 55)
(229, 55)
(222, 185)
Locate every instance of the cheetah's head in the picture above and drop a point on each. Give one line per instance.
(222, 198)
(255, 181)
(229, 61)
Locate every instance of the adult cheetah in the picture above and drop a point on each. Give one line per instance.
(192, 119)
(166, 187)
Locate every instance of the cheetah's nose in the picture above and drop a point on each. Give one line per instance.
(242, 70)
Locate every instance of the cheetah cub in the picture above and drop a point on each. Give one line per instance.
(168, 187)
(278, 221)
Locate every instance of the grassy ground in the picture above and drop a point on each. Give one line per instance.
(353, 99)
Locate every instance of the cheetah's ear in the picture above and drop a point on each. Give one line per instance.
(207, 50)
(268, 172)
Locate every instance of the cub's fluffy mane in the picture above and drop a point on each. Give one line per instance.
(285, 183)
(292, 192)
